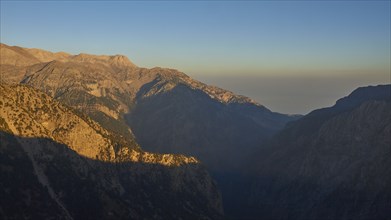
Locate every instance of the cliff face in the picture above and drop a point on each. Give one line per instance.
(331, 164)
(166, 110)
(83, 171)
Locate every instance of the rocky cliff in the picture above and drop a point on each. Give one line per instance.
(166, 110)
(57, 163)
(333, 163)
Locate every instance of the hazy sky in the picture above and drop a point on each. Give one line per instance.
(292, 56)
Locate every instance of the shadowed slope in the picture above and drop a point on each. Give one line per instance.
(333, 163)
(87, 172)
(44, 179)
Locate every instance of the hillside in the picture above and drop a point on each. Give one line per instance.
(331, 164)
(51, 153)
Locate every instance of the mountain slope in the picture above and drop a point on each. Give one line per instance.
(84, 172)
(331, 164)
(16, 56)
(166, 110)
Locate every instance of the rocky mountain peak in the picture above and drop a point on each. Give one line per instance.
(16, 56)
(47, 56)
(19, 56)
(119, 61)
(172, 77)
(362, 94)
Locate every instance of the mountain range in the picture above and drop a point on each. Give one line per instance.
(147, 143)
(166, 110)
(57, 164)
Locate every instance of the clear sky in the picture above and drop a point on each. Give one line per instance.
(244, 46)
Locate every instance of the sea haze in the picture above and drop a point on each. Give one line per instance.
(297, 93)
(270, 51)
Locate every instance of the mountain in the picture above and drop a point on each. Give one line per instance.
(57, 163)
(164, 109)
(330, 164)
(333, 163)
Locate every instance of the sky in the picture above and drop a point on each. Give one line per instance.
(291, 56)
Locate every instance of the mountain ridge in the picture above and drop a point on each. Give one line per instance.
(330, 164)
(78, 161)
(119, 98)
(354, 99)
(44, 125)
(43, 56)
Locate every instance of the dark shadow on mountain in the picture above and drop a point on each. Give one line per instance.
(188, 121)
(91, 189)
(235, 188)
(223, 136)
(339, 170)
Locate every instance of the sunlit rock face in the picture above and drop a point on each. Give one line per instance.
(333, 163)
(166, 110)
(56, 163)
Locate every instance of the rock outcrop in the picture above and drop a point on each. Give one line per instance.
(57, 163)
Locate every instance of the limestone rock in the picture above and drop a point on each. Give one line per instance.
(84, 171)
